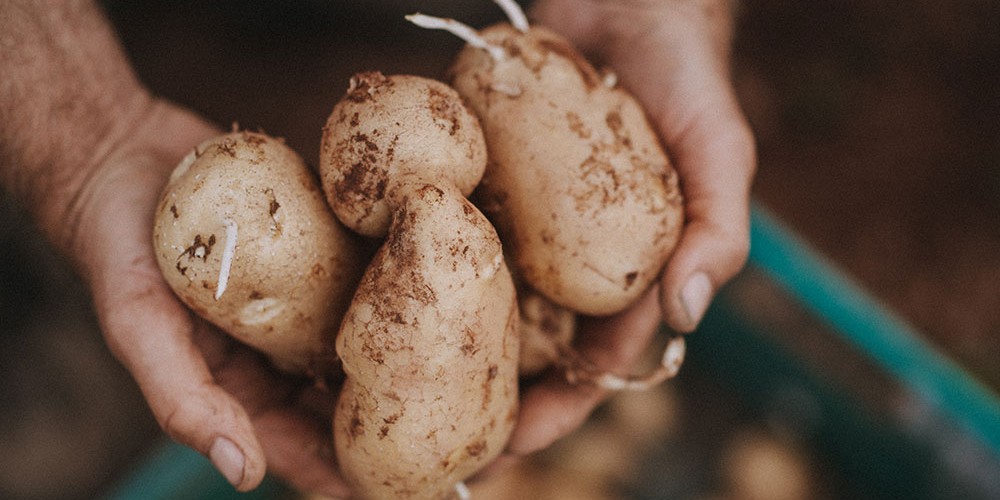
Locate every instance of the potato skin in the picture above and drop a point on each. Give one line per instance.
(365, 143)
(294, 268)
(545, 329)
(429, 346)
(578, 184)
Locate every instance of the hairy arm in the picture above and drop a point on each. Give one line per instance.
(87, 150)
(68, 97)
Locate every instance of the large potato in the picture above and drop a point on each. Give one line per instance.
(245, 239)
(578, 184)
(429, 346)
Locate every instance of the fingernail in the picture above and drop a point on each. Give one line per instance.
(228, 458)
(695, 296)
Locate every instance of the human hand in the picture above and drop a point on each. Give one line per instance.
(87, 151)
(673, 55)
(206, 390)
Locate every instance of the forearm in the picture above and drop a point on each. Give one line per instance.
(67, 99)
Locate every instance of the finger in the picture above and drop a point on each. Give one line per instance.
(290, 417)
(299, 449)
(502, 464)
(716, 160)
(615, 343)
(150, 332)
(550, 410)
(570, 18)
(553, 408)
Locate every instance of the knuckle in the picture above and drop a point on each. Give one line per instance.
(170, 421)
(187, 419)
(732, 248)
(742, 143)
(737, 253)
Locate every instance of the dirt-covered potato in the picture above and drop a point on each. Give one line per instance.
(370, 143)
(243, 236)
(578, 184)
(429, 345)
(581, 191)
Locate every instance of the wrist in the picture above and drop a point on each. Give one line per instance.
(72, 107)
(128, 178)
(68, 97)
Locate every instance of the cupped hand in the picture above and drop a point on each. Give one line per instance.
(673, 55)
(205, 390)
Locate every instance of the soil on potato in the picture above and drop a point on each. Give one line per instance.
(877, 139)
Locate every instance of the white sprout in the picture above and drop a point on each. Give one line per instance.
(227, 257)
(462, 491)
(460, 30)
(610, 79)
(507, 89)
(670, 364)
(673, 356)
(515, 14)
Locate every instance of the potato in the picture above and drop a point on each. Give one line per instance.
(429, 344)
(578, 184)
(429, 347)
(379, 147)
(545, 329)
(581, 191)
(244, 238)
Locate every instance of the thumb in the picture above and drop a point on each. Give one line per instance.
(715, 158)
(152, 334)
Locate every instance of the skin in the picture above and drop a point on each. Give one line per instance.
(86, 149)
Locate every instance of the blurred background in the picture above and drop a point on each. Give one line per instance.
(879, 145)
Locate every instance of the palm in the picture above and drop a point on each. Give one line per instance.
(199, 383)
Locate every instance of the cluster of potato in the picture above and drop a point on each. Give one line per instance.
(429, 332)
